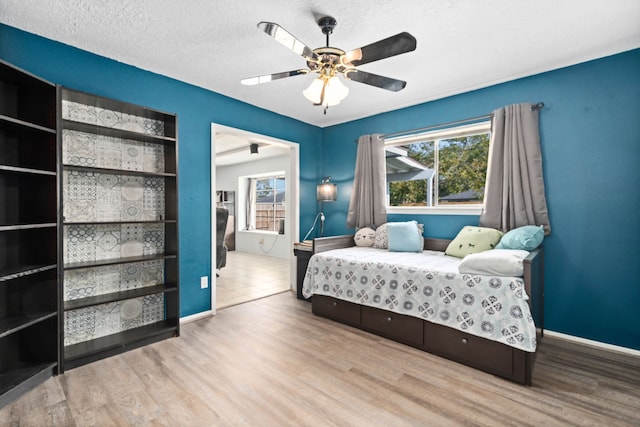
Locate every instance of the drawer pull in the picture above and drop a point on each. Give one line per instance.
(389, 319)
(464, 341)
(335, 304)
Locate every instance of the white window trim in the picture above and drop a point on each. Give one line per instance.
(267, 232)
(454, 132)
(436, 210)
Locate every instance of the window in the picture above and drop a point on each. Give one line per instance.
(436, 169)
(270, 206)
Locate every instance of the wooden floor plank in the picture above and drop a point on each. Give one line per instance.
(272, 362)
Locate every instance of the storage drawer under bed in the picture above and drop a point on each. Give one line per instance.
(339, 310)
(469, 349)
(489, 356)
(398, 327)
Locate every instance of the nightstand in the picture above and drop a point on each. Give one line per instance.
(303, 252)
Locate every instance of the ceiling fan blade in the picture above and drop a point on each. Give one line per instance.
(376, 80)
(284, 37)
(394, 45)
(269, 77)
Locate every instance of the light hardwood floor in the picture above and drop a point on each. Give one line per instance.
(270, 362)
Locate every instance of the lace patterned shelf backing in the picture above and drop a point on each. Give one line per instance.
(101, 151)
(89, 323)
(95, 196)
(103, 197)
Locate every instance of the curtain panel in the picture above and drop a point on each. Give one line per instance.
(367, 206)
(514, 192)
(250, 207)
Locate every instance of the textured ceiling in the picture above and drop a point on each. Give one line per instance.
(462, 44)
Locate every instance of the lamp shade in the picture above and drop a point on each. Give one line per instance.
(334, 91)
(312, 93)
(326, 192)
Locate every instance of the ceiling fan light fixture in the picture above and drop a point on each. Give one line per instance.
(334, 91)
(327, 90)
(312, 93)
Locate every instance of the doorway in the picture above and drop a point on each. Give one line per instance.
(237, 283)
(262, 262)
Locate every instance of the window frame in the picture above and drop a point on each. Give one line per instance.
(436, 135)
(273, 177)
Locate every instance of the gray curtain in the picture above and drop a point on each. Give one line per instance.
(367, 206)
(514, 192)
(250, 209)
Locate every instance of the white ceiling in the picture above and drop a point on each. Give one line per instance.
(462, 44)
(233, 147)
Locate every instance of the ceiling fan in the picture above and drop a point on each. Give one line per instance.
(329, 62)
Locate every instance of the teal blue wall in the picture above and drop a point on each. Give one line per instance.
(590, 136)
(196, 109)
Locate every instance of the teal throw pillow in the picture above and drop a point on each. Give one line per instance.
(526, 238)
(404, 237)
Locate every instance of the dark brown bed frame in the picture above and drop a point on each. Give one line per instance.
(489, 356)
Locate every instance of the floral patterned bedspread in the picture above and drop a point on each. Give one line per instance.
(426, 285)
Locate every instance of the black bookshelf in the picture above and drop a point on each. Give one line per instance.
(28, 232)
(113, 261)
(116, 133)
(80, 119)
(118, 296)
(99, 348)
(119, 171)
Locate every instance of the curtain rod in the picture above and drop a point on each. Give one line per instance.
(536, 106)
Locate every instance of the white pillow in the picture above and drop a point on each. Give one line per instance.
(364, 237)
(495, 262)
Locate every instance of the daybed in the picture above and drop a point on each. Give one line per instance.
(398, 296)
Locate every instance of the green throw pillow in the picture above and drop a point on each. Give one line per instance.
(471, 240)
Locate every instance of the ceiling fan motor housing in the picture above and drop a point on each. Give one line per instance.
(327, 24)
(327, 56)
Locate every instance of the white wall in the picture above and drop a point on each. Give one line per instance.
(277, 245)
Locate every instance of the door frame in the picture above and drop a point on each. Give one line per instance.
(292, 227)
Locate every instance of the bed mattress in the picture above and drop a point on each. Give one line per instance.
(428, 286)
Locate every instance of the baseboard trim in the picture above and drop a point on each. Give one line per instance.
(197, 316)
(592, 343)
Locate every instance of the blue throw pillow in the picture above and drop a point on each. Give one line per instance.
(526, 238)
(404, 237)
